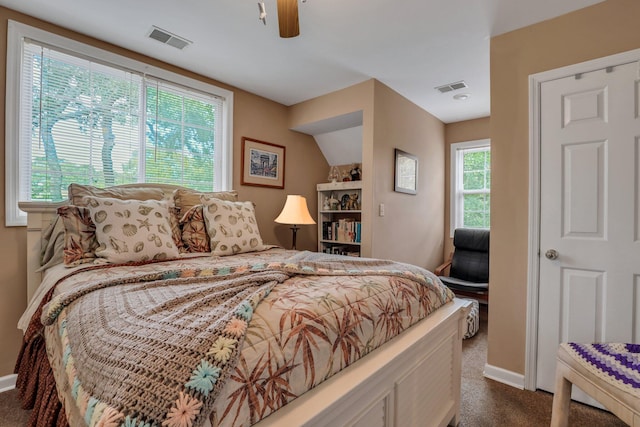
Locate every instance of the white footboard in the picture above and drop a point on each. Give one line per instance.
(413, 380)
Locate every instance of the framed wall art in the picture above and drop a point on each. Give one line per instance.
(406, 172)
(262, 163)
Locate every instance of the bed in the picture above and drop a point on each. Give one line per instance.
(233, 333)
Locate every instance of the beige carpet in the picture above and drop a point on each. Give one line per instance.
(489, 403)
(10, 413)
(484, 402)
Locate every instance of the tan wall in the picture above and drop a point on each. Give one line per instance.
(468, 130)
(358, 97)
(411, 230)
(254, 117)
(305, 165)
(600, 30)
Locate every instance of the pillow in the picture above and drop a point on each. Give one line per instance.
(194, 232)
(231, 226)
(131, 230)
(77, 193)
(185, 199)
(52, 245)
(79, 235)
(176, 231)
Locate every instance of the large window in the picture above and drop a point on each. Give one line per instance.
(83, 115)
(470, 184)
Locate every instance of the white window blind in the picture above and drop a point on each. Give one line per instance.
(80, 124)
(76, 117)
(181, 133)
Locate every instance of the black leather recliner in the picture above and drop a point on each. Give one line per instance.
(468, 264)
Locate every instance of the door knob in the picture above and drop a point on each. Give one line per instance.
(551, 254)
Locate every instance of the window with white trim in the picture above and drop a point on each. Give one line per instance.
(79, 114)
(470, 184)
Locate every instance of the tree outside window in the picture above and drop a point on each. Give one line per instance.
(87, 127)
(476, 182)
(470, 185)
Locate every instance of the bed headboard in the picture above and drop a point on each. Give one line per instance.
(41, 214)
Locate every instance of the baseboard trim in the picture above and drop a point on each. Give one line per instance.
(502, 375)
(8, 382)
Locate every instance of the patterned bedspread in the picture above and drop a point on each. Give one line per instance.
(168, 344)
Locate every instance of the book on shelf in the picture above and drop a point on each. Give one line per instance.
(327, 230)
(343, 230)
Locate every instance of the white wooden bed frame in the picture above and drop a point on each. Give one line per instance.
(413, 380)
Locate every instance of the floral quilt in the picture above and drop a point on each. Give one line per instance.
(299, 319)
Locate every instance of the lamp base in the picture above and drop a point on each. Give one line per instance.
(295, 231)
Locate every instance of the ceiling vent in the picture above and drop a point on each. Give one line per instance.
(164, 36)
(451, 87)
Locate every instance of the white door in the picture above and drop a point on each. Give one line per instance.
(590, 213)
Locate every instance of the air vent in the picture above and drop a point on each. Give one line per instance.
(451, 87)
(164, 36)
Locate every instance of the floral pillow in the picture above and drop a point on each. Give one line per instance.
(194, 231)
(231, 226)
(132, 230)
(176, 230)
(52, 245)
(79, 235)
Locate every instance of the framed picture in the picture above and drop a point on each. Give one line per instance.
(406, 173)
(262, 163)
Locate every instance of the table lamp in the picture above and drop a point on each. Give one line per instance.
(295, 212)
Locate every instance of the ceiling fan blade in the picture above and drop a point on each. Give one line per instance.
(288, 18)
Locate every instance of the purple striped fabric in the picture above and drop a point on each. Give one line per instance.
(618, 363)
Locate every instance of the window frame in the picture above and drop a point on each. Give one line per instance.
(16, 34)
(456, 212)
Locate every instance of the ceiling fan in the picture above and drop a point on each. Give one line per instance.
(287, 17)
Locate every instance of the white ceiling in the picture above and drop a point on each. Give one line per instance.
(341, 147)
(411, 46)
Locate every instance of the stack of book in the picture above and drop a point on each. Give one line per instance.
(344, 230)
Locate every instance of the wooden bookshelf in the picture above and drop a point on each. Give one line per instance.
(340, 217)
